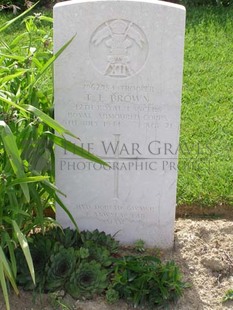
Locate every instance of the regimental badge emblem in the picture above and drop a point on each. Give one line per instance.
(118, 48)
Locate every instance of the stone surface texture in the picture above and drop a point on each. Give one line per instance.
(118, 87)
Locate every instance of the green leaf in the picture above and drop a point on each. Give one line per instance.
(13, 201)
(3, 285)
(25, 248)
(46, 18)
(10, 22)
(37, 63)
(13, 154)
(11, 247)
(5, 264)
(49, 121)
(51, 188)
(18, 39)
(36, 196)
(228, 295)
(7, 271)
(28, 180)
(75, 149)
(11, 103)
(58, 200)
(15, 57)
(48, 185)
(49, 63)
(12, 76)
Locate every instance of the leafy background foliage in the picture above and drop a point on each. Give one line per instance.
(195, 3)
(27, 141)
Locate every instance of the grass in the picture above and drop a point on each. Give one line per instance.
(205, 164)
(18, 28)
(206, 175)
(14, 30)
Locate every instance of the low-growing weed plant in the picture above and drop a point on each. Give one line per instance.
(228, 295)
(88, 264)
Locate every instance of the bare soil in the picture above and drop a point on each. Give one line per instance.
(203, 249)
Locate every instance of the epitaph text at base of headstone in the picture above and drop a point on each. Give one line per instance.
(118, 87)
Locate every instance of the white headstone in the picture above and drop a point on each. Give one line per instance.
(118, 87)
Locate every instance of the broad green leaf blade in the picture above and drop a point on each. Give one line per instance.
(7, 270)
(38, 207)
(18, 39)
(10, 22)
(49, 121)
(46, 18)
(13, 201)
(25, 248)
(75, 149)
(11, 247)
(50, 187)
(28, 180)
(9, 102)
(19, 212)
(15, 57)
(58, 200)
(12, 76)
(37, 63)
(13, 154)
(49, 63)
(3, 286)
(5, 264)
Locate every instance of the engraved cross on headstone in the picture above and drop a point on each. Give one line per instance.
(116, 172)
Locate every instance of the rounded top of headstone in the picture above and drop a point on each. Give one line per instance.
(154, 2)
